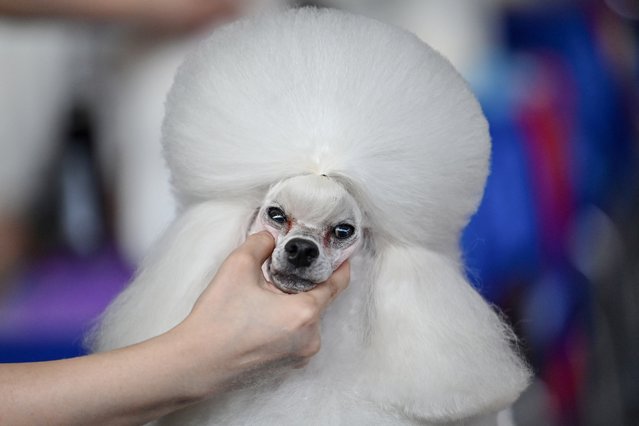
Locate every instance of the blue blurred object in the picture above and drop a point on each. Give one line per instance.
(501, 241)
(560, 115)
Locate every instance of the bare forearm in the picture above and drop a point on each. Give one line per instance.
(125, 387)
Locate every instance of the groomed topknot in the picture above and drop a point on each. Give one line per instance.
(321, 91)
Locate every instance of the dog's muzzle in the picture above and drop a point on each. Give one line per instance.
(296, 266)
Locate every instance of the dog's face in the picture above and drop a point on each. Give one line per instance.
(316, 224)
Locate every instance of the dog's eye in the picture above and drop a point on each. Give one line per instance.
(343, 231)
(276, 215)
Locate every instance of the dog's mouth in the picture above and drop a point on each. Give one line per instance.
(289, 283)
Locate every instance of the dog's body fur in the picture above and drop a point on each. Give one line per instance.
(314, 92)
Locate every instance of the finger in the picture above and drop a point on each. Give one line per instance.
(327, 291)
(271, 287)
(259, 246)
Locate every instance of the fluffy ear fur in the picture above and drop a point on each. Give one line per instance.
(445, 353)
(173, 276)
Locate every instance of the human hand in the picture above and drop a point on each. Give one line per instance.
(243, 326)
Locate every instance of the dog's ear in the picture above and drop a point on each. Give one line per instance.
(437, 350)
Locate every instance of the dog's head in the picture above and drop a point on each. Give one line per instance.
(316, 224)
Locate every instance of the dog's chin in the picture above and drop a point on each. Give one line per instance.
(291, 284)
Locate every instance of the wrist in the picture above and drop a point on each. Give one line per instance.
(204, 369)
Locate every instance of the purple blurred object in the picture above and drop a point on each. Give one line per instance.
(55, 301)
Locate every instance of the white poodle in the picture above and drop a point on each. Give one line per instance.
(343, 137)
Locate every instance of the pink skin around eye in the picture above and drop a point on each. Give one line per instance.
(345, 254)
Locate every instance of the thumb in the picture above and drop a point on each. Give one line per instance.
(258, 246)
(243, 265)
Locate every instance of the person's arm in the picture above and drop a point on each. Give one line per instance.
(128, 386)
(175, 15)
(241, 326)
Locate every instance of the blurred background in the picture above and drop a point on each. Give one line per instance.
(555, 243)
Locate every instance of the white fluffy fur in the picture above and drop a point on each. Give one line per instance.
(322, 92)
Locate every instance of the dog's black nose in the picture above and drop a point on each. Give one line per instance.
(301, 253)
